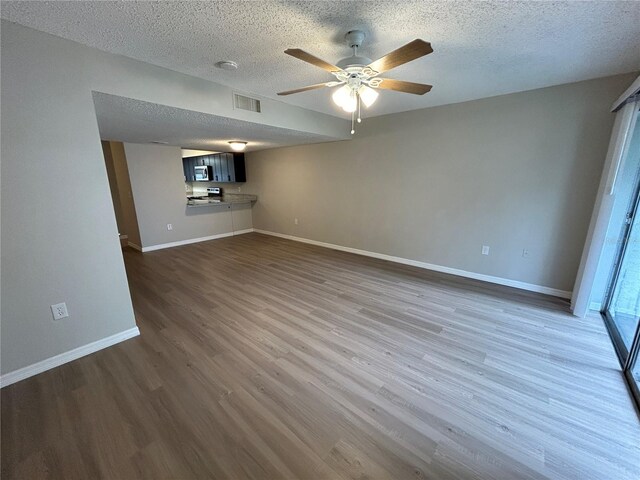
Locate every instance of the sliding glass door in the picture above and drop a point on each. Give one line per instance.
(622, 303)
(622, 308)
(632, 371)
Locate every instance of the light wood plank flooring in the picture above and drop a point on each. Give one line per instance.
(264, 358)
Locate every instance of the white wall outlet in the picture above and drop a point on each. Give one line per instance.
(295, 221)
(485, 249)
(59, 311)
(525, 253)
(239, 189)
(169, 226)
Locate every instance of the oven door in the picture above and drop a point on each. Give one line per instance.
(202, 173)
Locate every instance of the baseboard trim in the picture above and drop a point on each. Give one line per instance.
(66, 357)
(428, 266)
(179, 243)
(242, 232)
(134, 246)
(161, 246)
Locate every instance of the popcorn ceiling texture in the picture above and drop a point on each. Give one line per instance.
(135, 121)
(481, 49)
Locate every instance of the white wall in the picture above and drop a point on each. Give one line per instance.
(59, 239)
(158, 187)
(513, 172)
(61, 243)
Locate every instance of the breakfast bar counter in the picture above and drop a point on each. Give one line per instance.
(227, 199)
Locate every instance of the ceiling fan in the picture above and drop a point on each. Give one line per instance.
(358, 75)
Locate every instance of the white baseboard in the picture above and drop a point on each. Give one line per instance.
(160, 246)
(429, 266)
(134, 246)
(242, 232)
(66, 357)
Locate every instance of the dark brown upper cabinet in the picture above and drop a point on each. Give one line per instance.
(226, 167)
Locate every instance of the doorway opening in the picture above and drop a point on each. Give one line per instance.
(121, 194)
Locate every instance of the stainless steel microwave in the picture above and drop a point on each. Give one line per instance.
(203, 173)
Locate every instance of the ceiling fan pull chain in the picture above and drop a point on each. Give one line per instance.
(353, 127)
(359, 102)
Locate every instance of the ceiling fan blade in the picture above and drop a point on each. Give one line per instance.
(402, 86)
(307, 57)
(304, 89)
(412, 50)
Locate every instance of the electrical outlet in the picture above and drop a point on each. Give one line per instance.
(525, 253)
(239, 189)
(59, 311)
(295, 221)
(485, 249)
(169, 226)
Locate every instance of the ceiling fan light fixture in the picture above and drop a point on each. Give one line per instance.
(351, 103)
(238, 146)
(349, 108)
(368, 95)
(341, 95)
(358, 75)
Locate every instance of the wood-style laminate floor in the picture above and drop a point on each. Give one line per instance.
(264, 358)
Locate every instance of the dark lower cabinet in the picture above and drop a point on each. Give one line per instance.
(225, 167)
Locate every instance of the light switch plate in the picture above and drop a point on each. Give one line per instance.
(485, 249)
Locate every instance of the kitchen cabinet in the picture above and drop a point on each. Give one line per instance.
(238, 173)
(215, 168)
(187, 167)
(226, 167)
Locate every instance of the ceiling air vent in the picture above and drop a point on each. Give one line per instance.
(246, 103)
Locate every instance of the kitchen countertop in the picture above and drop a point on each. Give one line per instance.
(227, 199)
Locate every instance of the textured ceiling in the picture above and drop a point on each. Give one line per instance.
(481, 49)
(134, 121)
